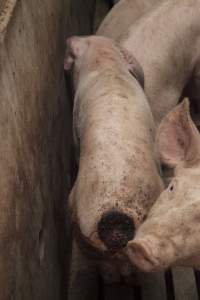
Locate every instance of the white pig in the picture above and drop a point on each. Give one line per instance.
(122, 16)
(166, 42)
(114, 132)
(171, 233)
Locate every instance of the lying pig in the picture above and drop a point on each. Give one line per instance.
(119, 177)
(166, 41)
(170, 234)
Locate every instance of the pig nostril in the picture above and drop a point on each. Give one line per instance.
(115, 229)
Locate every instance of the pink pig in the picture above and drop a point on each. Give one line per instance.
(170, 234)
(114, 135)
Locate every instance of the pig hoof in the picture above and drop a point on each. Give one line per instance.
(115, 229)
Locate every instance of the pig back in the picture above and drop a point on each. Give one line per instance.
(124, 14)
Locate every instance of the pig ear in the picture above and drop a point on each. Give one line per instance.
(133, 66)
(178, 139)
(75, 47)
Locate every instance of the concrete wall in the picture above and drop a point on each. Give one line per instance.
(35, 139)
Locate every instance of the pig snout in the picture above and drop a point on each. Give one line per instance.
(115, 229)
(142, 256)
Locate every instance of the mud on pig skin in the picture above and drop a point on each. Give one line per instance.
(170, 234)
(118, 178)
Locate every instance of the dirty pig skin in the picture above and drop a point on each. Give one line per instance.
(118, 178)
(171, 233)
(165, 39)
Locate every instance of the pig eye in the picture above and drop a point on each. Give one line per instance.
(171, 187)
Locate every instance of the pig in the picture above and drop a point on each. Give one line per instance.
(165, 39)
(122, 16)
(119, 176)
(170, 234)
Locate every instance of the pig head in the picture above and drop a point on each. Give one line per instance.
(118, 178)
(170, 234)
